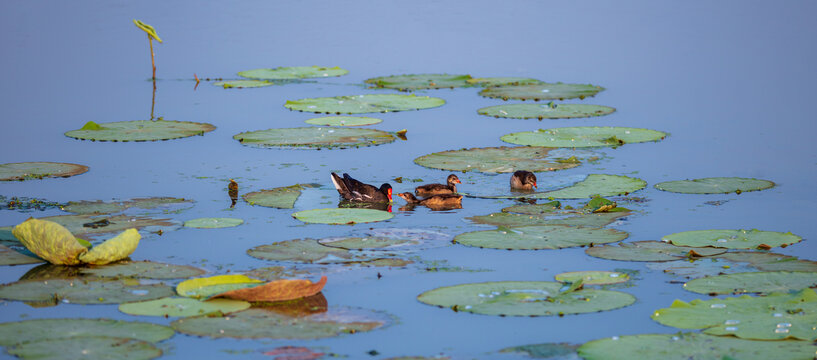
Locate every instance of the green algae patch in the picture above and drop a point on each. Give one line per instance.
(545, 111)
(524, 298)
(361, 104)
(142, 130)
(733, 239)
(343, 121)
(315, 138)
(650, 251)
(419, 81)
(544, 91)
(39, 170)
(539, 237)
(753, 282)
(592, 277)
(342, 216)
(280, 197)
(293, 73)
(213, 223)
(584, 136)
(182, 307)
(501, 159)
(241, 84)
(86, 348)
(42, 329)
(715, 185)
(83, 291)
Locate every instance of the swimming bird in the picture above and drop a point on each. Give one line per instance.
(436, 202)
(353, 190)
(436, 189)
(523, 180)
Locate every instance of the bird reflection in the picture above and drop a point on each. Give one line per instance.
(384, 206)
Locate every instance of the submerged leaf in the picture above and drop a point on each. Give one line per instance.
(278, 290)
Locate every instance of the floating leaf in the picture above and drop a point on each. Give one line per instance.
(524, 298)
(315, 138)
(261, 323)
(110, 207)
(494, 160)
(273, 273)
(592, 185)
(148, 29)
(280, 197)
(341, 216)
(539, 237)
(583, 136)
(113, 250)
(114, 224)
(649, 251)
(360, 104)
(419, 81)
(343, 121)
(86, 347)
(561, 218)
(732, 239)
(294, 353)
(534, 209)
(142, 130)
(83, 291)
(50, 241)
(142, 270)
(554, 351)
(593, 277)
(240, 84)
(544, 91)
(42, 329)
(500, 81)
(278, 290)
(753, 282)
(367, 243)
(182, 307)
(686, 346)
(294, 73)
(208, 286)
(546, 111)
(300, 250)
(774, 317)
(213, 223)
(732, 263)
(9, 256)
(714, 185)
(39, 170)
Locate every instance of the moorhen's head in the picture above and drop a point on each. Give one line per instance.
(525, 178)
(453, 179)
(386, 189)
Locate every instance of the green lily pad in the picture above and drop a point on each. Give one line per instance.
(714, 185)
(300, 250)
(343, 121)
(361, 104)
(183, 307)
(592, 185)
(341, 216)
(753, 282)
(213, 223)
(42, 329)
(544, 91)
(648, 251)
(258, 323)
(315, 138)
(733, 262)
(593, 277)
(142, 270)
(110, 207)
(240, 84)
(39, 170)
(583, 136)
(83, 291)
(202, 288)
(524, 298)
(553, 351)
(419, 81)
(500, 81)
(294, 73)
(546, 111)
(86, 348)
(280, 197)
(686, 346)
(494, 160)
(566, 218)
(534, 209)
(9, 256)
(140, 130)
(539, 237)
(732, 239)
(777, 316)
(367, 243)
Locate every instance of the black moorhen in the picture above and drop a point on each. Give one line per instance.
(353, 190)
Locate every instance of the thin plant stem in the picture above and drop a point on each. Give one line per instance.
(152, 61)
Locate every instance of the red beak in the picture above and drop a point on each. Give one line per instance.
(534, 185)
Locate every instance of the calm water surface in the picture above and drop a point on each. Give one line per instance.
(731, 81)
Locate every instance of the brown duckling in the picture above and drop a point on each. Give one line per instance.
(436, 202)
(353, 190)
(523, 180)
(437, 189)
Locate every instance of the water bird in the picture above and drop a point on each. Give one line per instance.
(436, 202)
(436, 189)
(523, 180)
(354, 190)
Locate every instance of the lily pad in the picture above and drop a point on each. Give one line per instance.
(114, 224)
(202, 288)
(419, 81)
(110, 207)
(553, 351)
(649, 251)
(277, 290)
(534, 209)
(732, 239)
(9, 256)
(112, 250)
(240, 84)
(272, 273)
(685, 346)
(524, 298)
(777, 316)
(213, 223)
(361, 104)
(753, 282)
(583, 136)
(142, 270)
(561, 218)
(593, 277)
(539, 237)
(367, 243)
(546, 111)
(300, 250)
(83, 291)
(280, 197)
(182, 307)
(715, 185)
(315, 138)
(140, 130)
(591, 185)
(50, 241)
(264, 324)
(500, 81)
(341, 216)
(39, 170)
(42, 329)
(86, 348)
(343, 121)
(294, 73)
(544, 91)
(494, 160)
(733, 262)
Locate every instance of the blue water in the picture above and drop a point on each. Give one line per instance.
(730, 81)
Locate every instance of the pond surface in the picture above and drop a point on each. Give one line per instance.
(730, 81)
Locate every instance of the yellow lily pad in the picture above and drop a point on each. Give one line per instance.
(50, 241)
(112, 250)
